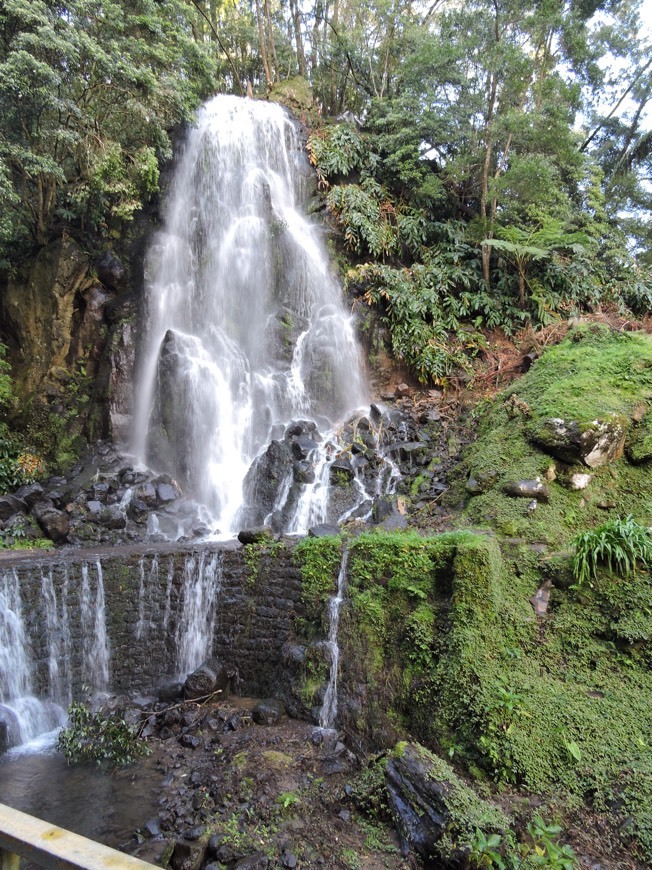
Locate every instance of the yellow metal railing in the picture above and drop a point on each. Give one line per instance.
(46, 845)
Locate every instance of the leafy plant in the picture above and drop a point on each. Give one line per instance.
(100, 736)
(288, 799)
(619, 544)
(502, 852)
(546, 850)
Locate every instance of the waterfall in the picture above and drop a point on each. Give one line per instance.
(22, 715)
(246, 331)
(59, 638)
(328, 712)
(96, 655)
(201, 584)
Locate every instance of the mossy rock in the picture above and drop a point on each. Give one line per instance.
(639, 443)
(436, 813)
(294, 93)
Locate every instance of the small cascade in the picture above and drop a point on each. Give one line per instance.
(22, 716)
(328, 712)
(312, 506)
(59, 638)
(96, 654)
(194, 637)
(148, 598)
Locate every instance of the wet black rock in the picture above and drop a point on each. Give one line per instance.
(256, 861)
(424, 795)
(211, 676)
(152, 828)
(170, 692)
(288, 859)
(111, 271)
(261, 535)
(268, 712)
(113, 517)
(10, 505)
(187, 856)
(30, 494)
(323, 530)
(55, 523)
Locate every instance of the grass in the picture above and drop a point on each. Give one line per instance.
(620, 545)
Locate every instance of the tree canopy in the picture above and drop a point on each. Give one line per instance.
(505, 143)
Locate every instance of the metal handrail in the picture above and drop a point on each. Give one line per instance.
(24, 836)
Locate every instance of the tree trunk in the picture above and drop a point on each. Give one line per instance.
(271, 48)
(261, 40)
(298, 40)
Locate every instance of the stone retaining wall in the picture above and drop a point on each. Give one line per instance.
(253, 618)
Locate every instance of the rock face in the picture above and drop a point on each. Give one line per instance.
(38, 310)
(426, 798)
(121, 381)
(70, 344)
(593, 444)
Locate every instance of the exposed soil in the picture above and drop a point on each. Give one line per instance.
(272, 794)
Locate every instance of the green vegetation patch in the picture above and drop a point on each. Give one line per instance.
(319, 560)
(440, 641)
(595, 372)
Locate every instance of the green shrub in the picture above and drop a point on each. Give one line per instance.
(101, 736)
(620, 545)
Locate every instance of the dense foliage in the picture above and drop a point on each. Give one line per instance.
(498, 176)
(88, 94)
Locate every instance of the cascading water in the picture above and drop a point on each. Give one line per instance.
(194, 636)
(328, 712)
(246, 330)
(96, 655)
(23, 716)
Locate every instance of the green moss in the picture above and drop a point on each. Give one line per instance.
(592, 374)
(441, 633)
(319, 560)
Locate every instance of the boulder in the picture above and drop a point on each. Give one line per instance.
(481, 482)
(255, 861)
(323, 530)
(10, 505)
(110, 271)
(426, 797)
(211, 676)
(112, 517)
(187, 856)
(341, 472)
(256, 536)
(31, 493)
(594, 443)
(267, 712)
(55, 523)
(166, 493)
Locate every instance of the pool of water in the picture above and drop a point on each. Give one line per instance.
(105, 805)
